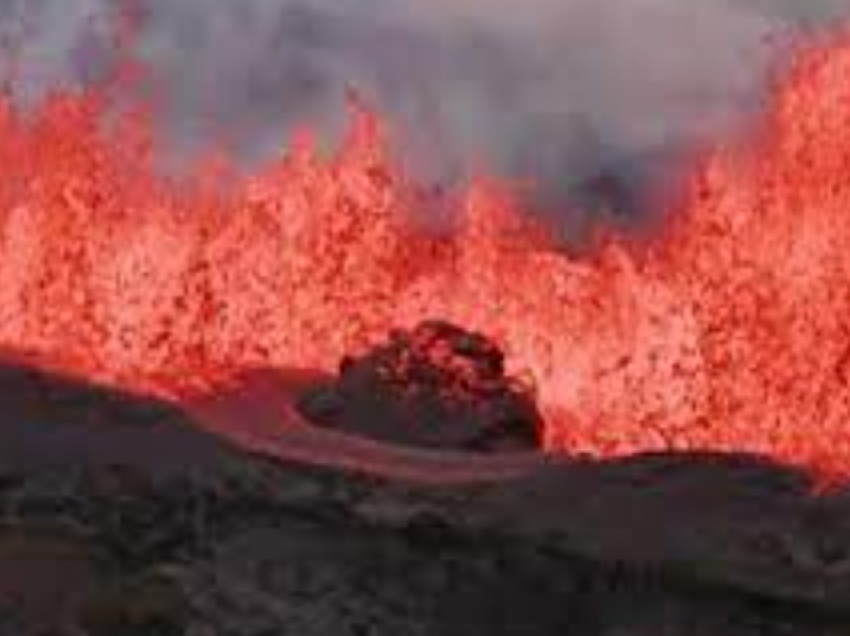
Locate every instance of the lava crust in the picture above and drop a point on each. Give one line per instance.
(437, 386)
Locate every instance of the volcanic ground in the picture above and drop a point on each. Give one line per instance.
(121, 515)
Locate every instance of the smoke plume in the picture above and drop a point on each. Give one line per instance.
(572, 94)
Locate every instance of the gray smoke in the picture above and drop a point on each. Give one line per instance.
(573, 94)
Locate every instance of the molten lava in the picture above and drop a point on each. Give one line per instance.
(731, 331)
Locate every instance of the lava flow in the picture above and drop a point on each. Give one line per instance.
(730, 331)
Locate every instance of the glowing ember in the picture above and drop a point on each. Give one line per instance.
(731, 332)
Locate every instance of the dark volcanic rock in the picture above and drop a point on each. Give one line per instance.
(437, 386)
(233, 545)
(49, 420)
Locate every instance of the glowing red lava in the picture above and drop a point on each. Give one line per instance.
(731, 331)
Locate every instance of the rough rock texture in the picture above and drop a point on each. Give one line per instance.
(206, 540)
(436, 385)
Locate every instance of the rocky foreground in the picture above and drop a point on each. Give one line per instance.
(118, 516)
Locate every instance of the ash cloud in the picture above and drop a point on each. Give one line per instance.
(564, 92)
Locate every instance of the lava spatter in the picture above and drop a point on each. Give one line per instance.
(728, 331)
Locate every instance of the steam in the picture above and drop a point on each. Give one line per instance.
(558, 91)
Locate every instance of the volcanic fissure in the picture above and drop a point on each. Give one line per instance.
(726, 331)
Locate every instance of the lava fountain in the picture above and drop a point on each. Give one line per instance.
(729, 331)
